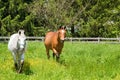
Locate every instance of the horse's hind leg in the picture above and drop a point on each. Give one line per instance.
(16, 66)
(47, 52)
(53, 55)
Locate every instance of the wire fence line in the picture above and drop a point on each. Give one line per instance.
(72, 39)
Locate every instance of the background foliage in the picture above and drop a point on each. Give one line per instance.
(83, 18)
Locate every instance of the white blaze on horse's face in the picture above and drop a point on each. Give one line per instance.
(22, 42)
(62, 34)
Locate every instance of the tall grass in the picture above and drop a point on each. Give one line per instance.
(78, 61)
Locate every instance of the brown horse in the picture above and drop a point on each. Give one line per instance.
(55, 41)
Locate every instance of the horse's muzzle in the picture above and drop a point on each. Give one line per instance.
(62, 41)
(22, 48)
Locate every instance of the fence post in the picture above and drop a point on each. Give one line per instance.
(71, 39)
(98, 40)
(118, 39)
(42, 39)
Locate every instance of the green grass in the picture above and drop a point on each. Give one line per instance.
(79, 61)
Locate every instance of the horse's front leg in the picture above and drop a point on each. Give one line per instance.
(57, 54)
(21, 62)
(57, 57)
(15, 60)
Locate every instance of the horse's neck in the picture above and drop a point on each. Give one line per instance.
(57, 36)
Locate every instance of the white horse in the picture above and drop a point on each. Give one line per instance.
(17, 45)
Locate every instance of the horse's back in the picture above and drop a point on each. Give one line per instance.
(13, 42)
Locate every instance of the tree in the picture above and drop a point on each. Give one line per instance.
(91, 18)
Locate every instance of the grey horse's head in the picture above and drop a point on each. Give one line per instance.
(21, 40)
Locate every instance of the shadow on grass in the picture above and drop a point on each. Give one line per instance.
(26, 69)
(63, 62)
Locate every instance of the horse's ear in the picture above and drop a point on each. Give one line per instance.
(19, 32)
(23, 31)
(65, 27)
(62, 27)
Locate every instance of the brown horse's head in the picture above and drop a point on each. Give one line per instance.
(62, 33)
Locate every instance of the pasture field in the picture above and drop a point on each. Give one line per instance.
(79, 61)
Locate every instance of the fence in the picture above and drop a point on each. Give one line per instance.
(94, 40)
(73, 40)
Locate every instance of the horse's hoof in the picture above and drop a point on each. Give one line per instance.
(19, 71)
(16, 66)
